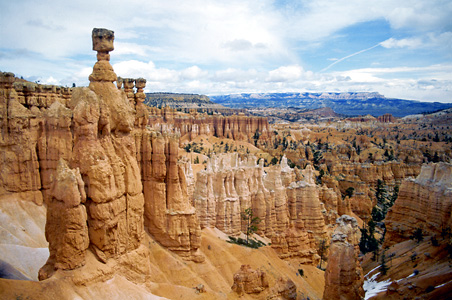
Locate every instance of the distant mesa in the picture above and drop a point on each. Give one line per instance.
(350, 104)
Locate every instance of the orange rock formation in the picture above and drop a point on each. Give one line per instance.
(344, 275)
(292, 217)
(249, 281)
(237, 127)
(424, 203)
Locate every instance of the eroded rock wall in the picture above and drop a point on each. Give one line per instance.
(226, 188)
(293, 216)
(237, 127)
(424, 203)
(19, 133)
(169, 215)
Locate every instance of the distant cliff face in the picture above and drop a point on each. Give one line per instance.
(342, 103)
(237, 127)
(163, 98)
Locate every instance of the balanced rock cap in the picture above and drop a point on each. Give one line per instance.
(103, 39)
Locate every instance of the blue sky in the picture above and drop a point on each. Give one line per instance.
(398, 48)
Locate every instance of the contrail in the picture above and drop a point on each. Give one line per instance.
(348, 56)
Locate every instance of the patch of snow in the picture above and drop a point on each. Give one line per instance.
(438, 286)
(372, 287)
(412, 274)
(371, 271)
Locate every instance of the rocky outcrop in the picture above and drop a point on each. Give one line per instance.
(66, 226)
(169, 215)
(229, 185)
(391, 172)
(294, 242)
(249, 281)
(344, 275)
(386, 118)
(305, 209)
(307, 222)
(104, 151)
(226, 188)
(95, 197)
(424, 203)
(19, 133)
(284, 289)
(330, 195)
(363, 178)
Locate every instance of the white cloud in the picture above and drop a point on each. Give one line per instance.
(238, 45)
(285, 74)
(193, 72)
(122, 48)
(402, 43)
(135, 69)
(50, 80)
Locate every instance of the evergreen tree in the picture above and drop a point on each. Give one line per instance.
(380, 193)
(349, 192)
(251, 222)
(322, 252)
(383, 267)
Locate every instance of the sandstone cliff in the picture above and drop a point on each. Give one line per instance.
(18, 139)
(237, 127)
(168, 213)
(424, 203)
(66, 226)
(228, 186)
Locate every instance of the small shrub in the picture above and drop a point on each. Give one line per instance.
(383, 267)
(349, 192)
(251, 242)
(434, 241)
(301, 272)
(418, 235)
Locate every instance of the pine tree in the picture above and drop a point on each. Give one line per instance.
(251, 222)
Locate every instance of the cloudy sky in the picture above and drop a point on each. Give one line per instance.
(398, 48)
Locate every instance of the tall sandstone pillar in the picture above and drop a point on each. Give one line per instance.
(344, 275)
